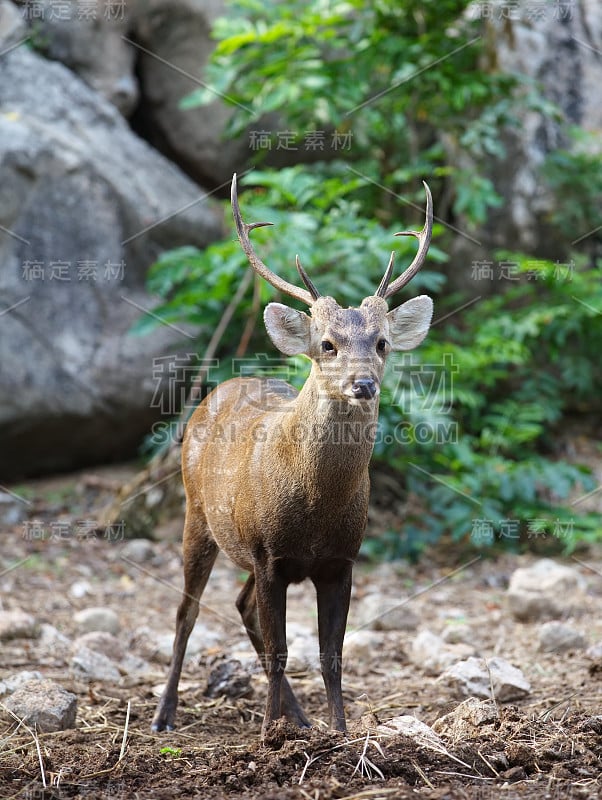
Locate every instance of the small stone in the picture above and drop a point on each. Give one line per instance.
(228, 679)
(80, 589)
(88, 665)
(416, 730)
(457, 633)
(101, 642)
(138, 550)
(557, 637)
(594, 652)
(12, 509)
(44, 704)
(546, 590)
(466, 719)
(378, 613)
(433, 655)
(303, 654)
(13, 682)
(17, 624)
(52, 637)
(361, 647)
(201, 639)
(477, 676)
(97, 619)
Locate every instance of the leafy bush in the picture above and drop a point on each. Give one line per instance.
(468, 421)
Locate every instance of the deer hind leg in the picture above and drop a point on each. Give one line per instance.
(200, 552)
(246, 603)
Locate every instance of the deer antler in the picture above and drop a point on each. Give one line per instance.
(243, 229)
(424, 239)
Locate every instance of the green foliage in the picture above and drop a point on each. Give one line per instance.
(469, 422)
(386, 75)
(172, 752)
(576, 176)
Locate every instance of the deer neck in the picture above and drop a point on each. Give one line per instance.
(328, 442)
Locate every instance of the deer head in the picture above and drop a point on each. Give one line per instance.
(348, 346)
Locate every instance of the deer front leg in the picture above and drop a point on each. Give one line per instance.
(270, 588)
(333, 589)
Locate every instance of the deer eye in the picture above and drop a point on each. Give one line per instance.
(327, 347)
(381, 345)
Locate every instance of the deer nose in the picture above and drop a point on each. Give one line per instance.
(364, 387)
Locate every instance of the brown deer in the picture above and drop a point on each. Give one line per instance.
(278, 479)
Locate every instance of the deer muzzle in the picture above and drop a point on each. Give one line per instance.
(364, 388)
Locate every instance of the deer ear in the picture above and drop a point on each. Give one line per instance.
(288, 329)
(409, 323)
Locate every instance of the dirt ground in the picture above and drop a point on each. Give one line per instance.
(548, 745)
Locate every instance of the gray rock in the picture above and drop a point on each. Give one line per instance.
(12, 27)
(44, 704)
(557, 637)
(180, 33)
(13, 682)
(416, 730)
(477, 677)
(559, 52)
(97, 619)
(159, 646)
(102, 642)
(379, 613)
(80, 589)
(432, 655)
(595, 651)
(94, 45)
(303, 654)
(466, 719)
(545, 590)
(17, 624)
(89, 665)
(12, 509)
(52, 637)
(458, 633)
(111, 649)
(138, 550)
(229, 679)
(88, 206)
(361, 647)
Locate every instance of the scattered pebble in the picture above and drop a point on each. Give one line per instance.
(378, 613)
(13, 682)
(458, 633)
(595, 651)
(303, 654)
(466, 719)
(17, 624)
(12, 509)
(433, 655)
(546, 590)
(138, 550)
(80, 589)
(229, 679)
(97, 618)
(414, 729)
(44, 704)
(200, 641)
(476, 677)
(53, 638)
(88, 665)
(558, 637)
(360, 647)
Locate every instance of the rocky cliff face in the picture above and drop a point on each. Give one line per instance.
(85, 208)
(557, 48)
